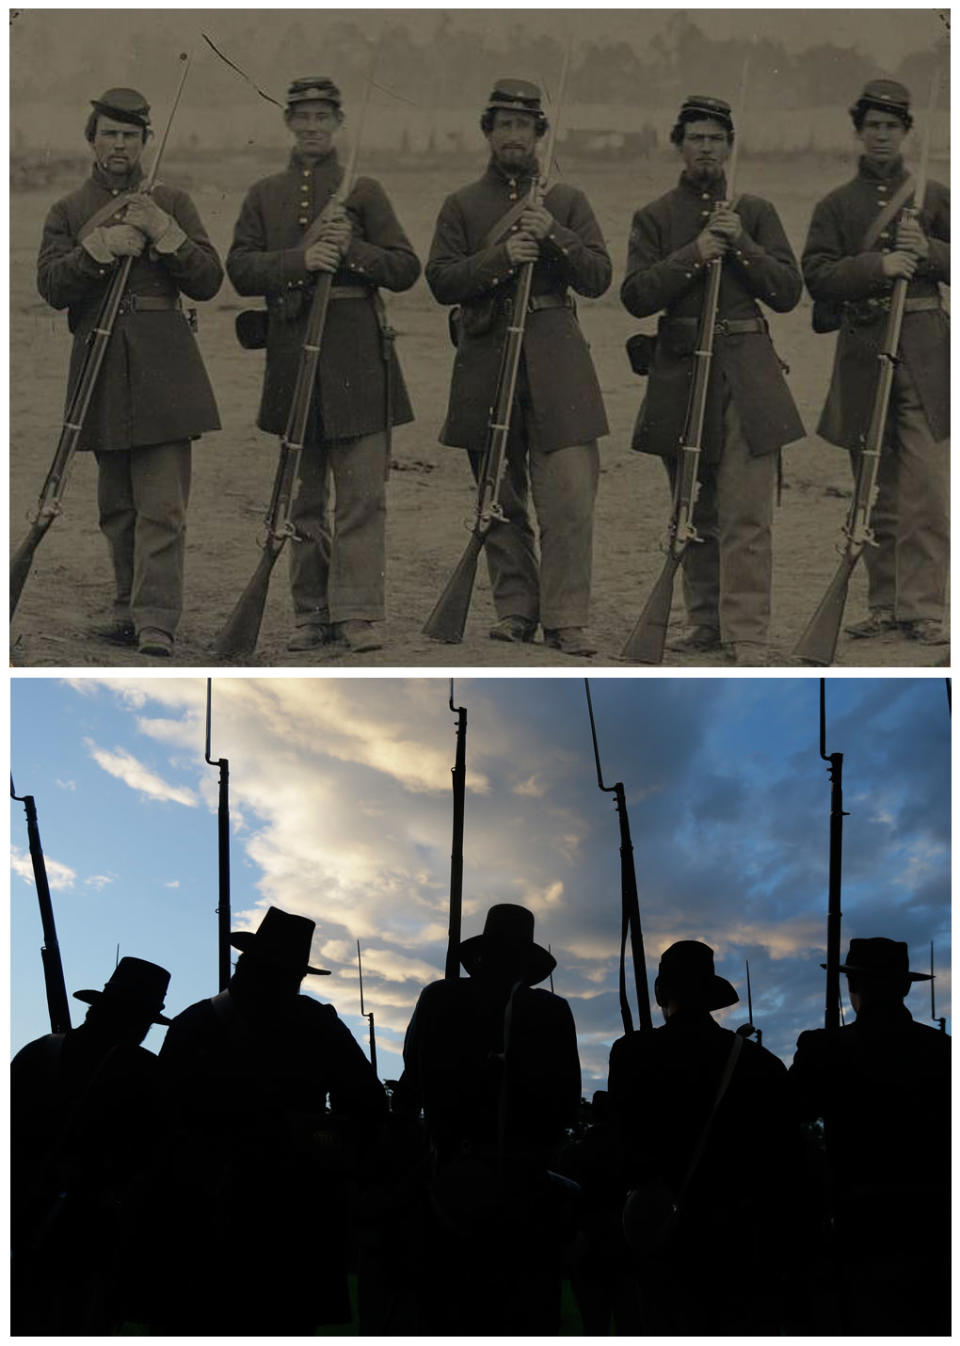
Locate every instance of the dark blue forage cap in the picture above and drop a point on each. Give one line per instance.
(124, 105)
(515, 95)
(697, 105)
(313, 89)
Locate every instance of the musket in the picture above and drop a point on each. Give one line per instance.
(49, 504)
(56, 987)
(646, 641)
(834, 914)
(239, 637)
(818, 644)
(223, 847)
(449, 616)
(629, 902)
(933, 1000)
(750, 1029)
(365, 1015)
(452, 969)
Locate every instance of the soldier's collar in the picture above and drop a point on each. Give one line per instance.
(874, 170)
(526, 174)
(111, 183)
(298, 160)
(716, 189)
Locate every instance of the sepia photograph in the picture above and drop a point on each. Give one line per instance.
(480, 1006)
(348, 338)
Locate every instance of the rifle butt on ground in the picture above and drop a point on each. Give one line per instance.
(240, 635)
(22, 560)
(648, 638)
(449, 616)
(818, 644)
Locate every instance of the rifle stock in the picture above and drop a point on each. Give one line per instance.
(448, 619)
(647, 639)
(818, 644)
(21, 562)
(238, 638)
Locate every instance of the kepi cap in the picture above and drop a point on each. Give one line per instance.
(887, 94)
(697, 105)
(124, 105)
(313, 89)
(515, 95)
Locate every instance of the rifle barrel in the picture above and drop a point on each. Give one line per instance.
(834, 913)
(452, 968)
(58, 1006)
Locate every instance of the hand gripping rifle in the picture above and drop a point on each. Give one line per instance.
(818, 644)
(647, 639)
(49, 507)
(834, 914)
(452, 968)
(449, 616)
(223, 848)
(630, 906)
(56, 987)
(239, 637)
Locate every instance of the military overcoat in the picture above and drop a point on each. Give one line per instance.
(152, 388)
(664, 272)
(836, 268)
(267, 258)
(465, 267)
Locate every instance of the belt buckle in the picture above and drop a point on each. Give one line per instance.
(720, 327)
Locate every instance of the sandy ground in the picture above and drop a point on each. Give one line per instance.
(430, 491)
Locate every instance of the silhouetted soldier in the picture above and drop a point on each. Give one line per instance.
(882, 1087)
(494, 1065)
(663, 1088)
(263, 1170)
(84, 1116)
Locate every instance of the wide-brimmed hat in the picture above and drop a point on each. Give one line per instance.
(515, 95)
(881, 957)
(697, 105)
(508, 938)
(124, 105)
(313, 89)
(889, 95)
(136, 985)
(688, 965)
(281, 939)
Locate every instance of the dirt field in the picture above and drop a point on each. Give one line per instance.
(430, 494)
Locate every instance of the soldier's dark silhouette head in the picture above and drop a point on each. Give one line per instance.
(878, 972)
(686, 980)
(274, 958)
(505, 952)
(131, 1000)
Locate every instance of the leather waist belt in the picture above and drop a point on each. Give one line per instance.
(148, 303)
(921, 305)
(724, 326)
(349, 292)
(864, 312)
(538, 301)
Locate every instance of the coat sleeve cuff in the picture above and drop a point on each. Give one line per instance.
(96, 248)
(172, 238)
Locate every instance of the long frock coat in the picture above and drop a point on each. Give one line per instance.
(152, 387)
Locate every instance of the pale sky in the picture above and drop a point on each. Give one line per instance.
(341, 811)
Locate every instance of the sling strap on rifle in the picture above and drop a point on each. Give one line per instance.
(388, 337)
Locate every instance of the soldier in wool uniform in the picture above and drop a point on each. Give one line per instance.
(280, 244)
(860, 242)
(484, 233)
(750, 413)
(152, 397)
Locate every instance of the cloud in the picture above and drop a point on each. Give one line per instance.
(59, 876)
(67, 784)
(125, 767)
(99, 881)
(533, 787)
(173, 883)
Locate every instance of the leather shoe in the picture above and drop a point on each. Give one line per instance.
(880, 622)
(309, 637)
(116, 633)
(151, 640)
(927, 630)
(518, 629)
(695, 640)
(569, 640)
(357, 635)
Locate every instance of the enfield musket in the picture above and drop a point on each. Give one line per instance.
(223, 852)
(832, 1013)
(49, 506)
(452, 969)
(53, 978)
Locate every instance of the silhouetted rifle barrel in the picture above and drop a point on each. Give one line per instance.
(452, 969)
(834, 914)
(53, 979)
(933, 999)
(367, 1016)
(49, 506)
(818, 644)
(750, 1029)
(223, 854)
(646, 641)
(240, 635)
(629, 901)
(449, 616)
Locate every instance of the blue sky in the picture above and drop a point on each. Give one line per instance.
(341, 811)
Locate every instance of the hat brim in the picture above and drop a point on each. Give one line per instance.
(244, 941)
(537, 963)
(721, 993)
(882, 972)
(89, 997)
